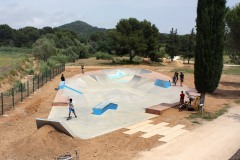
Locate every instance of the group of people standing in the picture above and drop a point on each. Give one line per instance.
(175, 78)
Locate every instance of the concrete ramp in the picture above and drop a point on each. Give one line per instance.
(60, 126)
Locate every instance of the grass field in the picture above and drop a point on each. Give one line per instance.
(10, 56)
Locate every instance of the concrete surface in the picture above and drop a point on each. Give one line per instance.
(61, 126)
(132, 90)
(216, 140)
(149, 130)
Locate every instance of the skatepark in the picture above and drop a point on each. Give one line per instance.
(130, 91)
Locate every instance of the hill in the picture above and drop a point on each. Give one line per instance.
(81, 28)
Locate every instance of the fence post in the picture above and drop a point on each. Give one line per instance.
(33, 84)
(50, 72)
(42, 79)
(27, 88)
(21, 87)
(38, 81)
(46, 76)
(2, 103)
(13, 97)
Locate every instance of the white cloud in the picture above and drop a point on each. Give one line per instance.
(165, 14)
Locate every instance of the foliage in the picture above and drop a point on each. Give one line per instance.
(44, 66)
(133, 37)
(172, 44)
(137, 59)
(209, 116)
(6, 34)
(233, 37)
(232, 70)
(61, 58)
(44, 48)
(187, 46)
(102, 55)
(25, 37)
(80, 27)
(209, 45)
(234, 56)
(233, 22)
(122, 61)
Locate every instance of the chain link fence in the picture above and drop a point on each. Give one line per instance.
(22, 90)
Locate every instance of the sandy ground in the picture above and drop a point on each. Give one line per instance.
(20, 139)
(218, 139)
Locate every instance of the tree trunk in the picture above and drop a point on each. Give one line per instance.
(201, 103)
(188, 60)
(131, 56)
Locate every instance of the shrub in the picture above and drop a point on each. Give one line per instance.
(13, 72)
(104, 56)
(137, 59)
(62, 58)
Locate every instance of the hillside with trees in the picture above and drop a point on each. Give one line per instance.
(81, 27)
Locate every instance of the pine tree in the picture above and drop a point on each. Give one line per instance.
(209, 45)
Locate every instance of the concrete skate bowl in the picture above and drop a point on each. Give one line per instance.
(131, 90)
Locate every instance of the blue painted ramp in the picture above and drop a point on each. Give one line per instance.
(102, 107)
(162, 83)
(62, 85)
(72, 89)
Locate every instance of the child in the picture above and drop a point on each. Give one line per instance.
(82, 66)
(182, 95)
(71, 109)
(174, 80)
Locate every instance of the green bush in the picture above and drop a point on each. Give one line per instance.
(62, 58)
(104, 56)
(137, 59)
(43, 67)
(13, 72)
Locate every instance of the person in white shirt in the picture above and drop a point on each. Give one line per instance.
(71, 108)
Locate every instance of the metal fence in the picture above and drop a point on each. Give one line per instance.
(22, 90)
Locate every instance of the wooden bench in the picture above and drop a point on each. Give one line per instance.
(103, 106)
(158, 109)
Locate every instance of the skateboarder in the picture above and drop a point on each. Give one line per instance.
(71, 109)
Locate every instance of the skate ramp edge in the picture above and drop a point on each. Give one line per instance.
(162, 83)
(104, 106)
(60, 126)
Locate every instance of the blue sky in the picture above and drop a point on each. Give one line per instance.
(165, 14)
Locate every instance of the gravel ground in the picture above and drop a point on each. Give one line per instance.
(236, 156)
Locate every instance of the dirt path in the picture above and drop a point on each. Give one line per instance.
(218, 139)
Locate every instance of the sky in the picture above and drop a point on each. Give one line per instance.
(165, 14)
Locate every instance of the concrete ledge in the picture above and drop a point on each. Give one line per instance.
(102, 107)
(59, 99)
(60, 126)
(158, 109)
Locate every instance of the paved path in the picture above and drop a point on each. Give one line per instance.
(218, 139)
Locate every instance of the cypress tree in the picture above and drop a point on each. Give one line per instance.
(209, 45)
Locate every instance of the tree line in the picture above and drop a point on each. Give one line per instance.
(131, 38)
